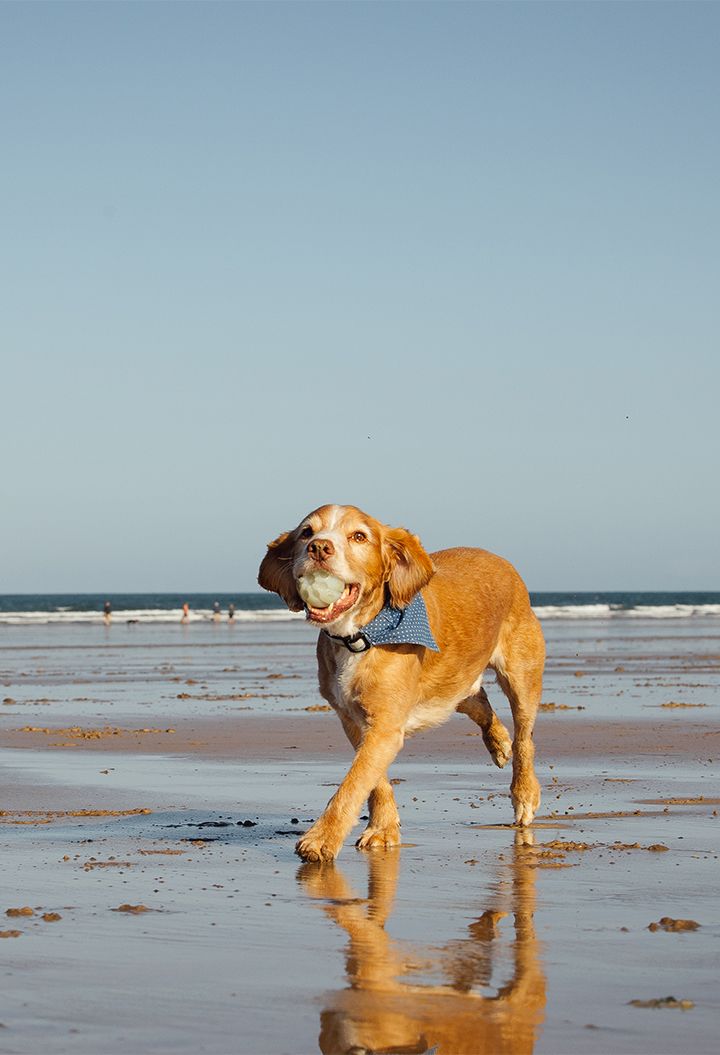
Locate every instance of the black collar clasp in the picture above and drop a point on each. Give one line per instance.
(353, 642)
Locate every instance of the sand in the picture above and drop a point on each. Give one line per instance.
(155, 780)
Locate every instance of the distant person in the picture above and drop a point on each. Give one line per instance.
(216, 611)
(185, 613)
(107, 613)
(231, 612)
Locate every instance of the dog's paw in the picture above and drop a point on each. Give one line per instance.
(525, 796)
(499, 744)
(379, 838)
(318, 844)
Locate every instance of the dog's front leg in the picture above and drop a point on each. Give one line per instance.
(380, 745)
(383, 827)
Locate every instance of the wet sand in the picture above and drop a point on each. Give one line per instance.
(154, 783)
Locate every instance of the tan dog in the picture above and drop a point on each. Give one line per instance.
(479, 615)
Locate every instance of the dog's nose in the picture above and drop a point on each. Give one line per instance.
(320, 549)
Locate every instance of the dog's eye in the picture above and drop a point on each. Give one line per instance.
(306, 532)
(359, 536)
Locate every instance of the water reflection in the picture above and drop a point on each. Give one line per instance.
(469, 1011)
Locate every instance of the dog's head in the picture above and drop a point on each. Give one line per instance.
(377, 565)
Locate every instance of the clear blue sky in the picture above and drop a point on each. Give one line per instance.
(454, 263)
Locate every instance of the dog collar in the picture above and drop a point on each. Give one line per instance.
(393, 626)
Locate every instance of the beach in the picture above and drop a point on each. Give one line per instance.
(156, 778)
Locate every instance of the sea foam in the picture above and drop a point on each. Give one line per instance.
(66, 615)
(143, 615)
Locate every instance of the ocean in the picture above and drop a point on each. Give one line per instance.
(34, 609)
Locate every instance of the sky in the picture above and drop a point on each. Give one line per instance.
(455, 263)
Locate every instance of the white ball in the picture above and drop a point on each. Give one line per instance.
(320, 589)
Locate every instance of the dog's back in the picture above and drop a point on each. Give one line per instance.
(480, 614)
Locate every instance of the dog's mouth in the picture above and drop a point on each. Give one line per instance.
(343, 604)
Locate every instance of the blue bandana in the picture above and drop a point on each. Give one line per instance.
(394, 626)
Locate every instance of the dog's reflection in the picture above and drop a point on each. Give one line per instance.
(385, 1012)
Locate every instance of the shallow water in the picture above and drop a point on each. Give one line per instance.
(457, 938)
(131, 672)
(471, 937)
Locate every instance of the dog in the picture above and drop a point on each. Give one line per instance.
(401, 649)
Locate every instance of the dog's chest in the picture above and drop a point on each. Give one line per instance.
(345, 685)
(350, 672)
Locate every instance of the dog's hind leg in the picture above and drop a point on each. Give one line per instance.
(519, 667)
(383, 827)
(495, 736)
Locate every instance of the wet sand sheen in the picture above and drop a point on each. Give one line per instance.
(168, 912)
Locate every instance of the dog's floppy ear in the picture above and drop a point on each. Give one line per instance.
(276, 574)
(408, 568)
